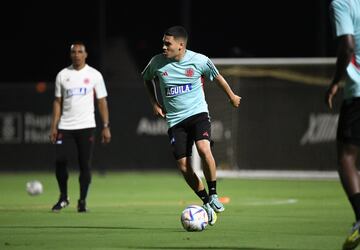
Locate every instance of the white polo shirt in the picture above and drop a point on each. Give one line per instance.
(78, 89)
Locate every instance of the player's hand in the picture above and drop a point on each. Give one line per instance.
(158, 110)
(53, 135)
(105, 135)
(235, 101)
(330, 94)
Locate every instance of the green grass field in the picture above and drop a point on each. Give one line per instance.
(134, 210)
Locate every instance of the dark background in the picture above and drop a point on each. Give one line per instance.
(36, 34)
(121, 37)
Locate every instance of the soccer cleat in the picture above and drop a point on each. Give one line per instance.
(81, 207)
(216, 204)
(353, 240)
(63, 202)
(212, 217)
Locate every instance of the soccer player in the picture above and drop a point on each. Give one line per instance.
(73, 120)
(180, 73)
(346, 20)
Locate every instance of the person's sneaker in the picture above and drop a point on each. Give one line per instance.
(353, 239)
(63, 202)
(81, 207)
(216, 204)
(211, 214)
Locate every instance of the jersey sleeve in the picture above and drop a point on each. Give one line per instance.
(58, 86)
(148, 73)
(100, 88)
(341, 18)
(209, 69)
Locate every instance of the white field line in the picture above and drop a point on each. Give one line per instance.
(270, 202)
(274, 174)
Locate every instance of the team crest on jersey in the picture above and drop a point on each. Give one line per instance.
(86, 80)
(178, 89)
(189, 72)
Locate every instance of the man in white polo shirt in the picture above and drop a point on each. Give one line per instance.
(73, 119)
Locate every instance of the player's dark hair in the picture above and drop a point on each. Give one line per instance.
(177, 32)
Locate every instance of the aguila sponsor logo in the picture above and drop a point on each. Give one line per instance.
(178, 89)
(76, 91)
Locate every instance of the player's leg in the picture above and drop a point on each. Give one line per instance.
(348, 134)
(191, 178)
(181, 143)
(349, 176)
(202, 134)
(209, 168)
(85, 141)
(184, 164)
(61, 150)
(347, 155)
(209, 165)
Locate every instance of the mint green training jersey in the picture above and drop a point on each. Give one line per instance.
(346, 21)
(181, 83)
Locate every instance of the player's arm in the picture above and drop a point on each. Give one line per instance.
(157, 108)
(104, 114)
(345, 52)
(56, 113)
(234, 99)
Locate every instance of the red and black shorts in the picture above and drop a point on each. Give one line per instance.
(183, 135)
(348, 130)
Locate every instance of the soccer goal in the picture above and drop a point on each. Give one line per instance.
(282, 123)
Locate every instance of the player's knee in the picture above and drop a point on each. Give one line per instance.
(183, 166)
(204, 152)
(203, 148)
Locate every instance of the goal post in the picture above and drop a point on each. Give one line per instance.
(282, 101)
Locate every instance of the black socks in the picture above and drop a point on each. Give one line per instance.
(212, 187)
(203, 196)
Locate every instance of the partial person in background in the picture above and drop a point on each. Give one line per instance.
(181, 73)
(73, 120)
(346, 22)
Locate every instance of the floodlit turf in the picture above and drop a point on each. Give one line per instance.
(142, 211)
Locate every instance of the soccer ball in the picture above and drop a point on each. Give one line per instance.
(34, 187)
(194, 218)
